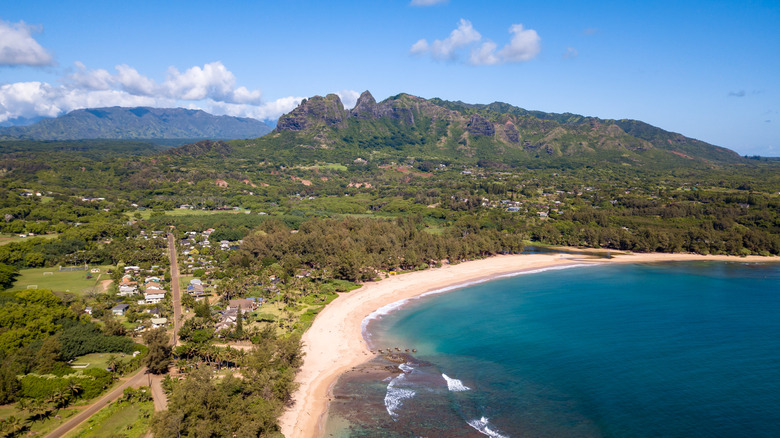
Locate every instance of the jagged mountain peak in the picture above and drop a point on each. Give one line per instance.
(495, 129)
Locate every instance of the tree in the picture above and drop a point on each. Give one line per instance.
(159, 357)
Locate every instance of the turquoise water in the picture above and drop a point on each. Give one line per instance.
(672, 350)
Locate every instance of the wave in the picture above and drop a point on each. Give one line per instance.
(395, 396)
(481, 425)
(384, 310)
(455, 385)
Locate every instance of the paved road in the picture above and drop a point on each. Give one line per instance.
(140, 378)
(175, 293)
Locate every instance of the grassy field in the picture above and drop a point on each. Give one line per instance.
(99, 360)
(146, 214)
(40, 428)
(8, 238)
(119, 419)
(60, 281)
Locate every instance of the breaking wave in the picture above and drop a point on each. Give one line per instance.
(455, 385)
(481, 425)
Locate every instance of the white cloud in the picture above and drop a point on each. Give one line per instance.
(427, 2)
(447, 48)
(570, 52)
(18, 47)
(485, 54)
(265, 111)
(348, 98)
(211, 87)
(419, 47)
(524, 45)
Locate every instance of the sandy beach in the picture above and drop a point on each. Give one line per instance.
(334, 344)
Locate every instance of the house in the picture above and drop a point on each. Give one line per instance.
(196, 281)
(154, 289)
(228, 319)
(125, 290)
(154, 311)
(153, 298)
(152, 280)
(246, 305)
(159, 322)
(120, 309)
(195, 289)
(88, 310)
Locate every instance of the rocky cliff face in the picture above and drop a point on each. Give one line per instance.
(327, 111)
(459, 128)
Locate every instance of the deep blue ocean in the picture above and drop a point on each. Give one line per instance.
(643, 350)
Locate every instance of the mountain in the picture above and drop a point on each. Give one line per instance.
(138, 123)
(439, 129)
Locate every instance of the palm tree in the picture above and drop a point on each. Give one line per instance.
(60, 398)
(13, 424)
(74, 388)
(112, 363)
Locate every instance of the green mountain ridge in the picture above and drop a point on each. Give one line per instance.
(122, 123)
(446, 130)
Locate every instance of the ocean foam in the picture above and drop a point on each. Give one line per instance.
(481, 425)
(455, 385)
(395, 396)
(384, 310)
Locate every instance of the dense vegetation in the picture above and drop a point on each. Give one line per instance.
(331, 198)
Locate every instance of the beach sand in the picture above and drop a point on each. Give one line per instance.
(334, 344)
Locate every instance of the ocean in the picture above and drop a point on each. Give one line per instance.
(638, 350)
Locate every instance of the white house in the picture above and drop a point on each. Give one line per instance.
(153, 298)
(159, 322)
(125, 290)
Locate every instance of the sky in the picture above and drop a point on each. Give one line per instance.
(706, 69)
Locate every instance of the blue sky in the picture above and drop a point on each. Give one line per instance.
(706, 69)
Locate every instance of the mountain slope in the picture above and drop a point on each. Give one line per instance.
(138, 123)
(438, 129)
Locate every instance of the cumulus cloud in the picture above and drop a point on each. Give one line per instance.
(427, 2)
(740, 93)
(211, 87)
(446, 49)
(18, 47)
(524, 45)
(485, 54)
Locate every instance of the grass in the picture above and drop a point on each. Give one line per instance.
(40, 428)
(122, 418)
(8, 238)
(146, 214)
(100, 360)
(60, 281)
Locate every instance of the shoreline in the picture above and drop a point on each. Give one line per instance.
(335, 344)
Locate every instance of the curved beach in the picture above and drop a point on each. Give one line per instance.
(334, 344)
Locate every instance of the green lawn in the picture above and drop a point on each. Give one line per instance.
(8, 238)
(43, 427)
(123, 419)
(61, 281)
(146, 214)
(99, 360)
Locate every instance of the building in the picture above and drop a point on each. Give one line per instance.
(159, 322)
(120, 309)
(153, 298)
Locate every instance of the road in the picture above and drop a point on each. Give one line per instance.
(175, 289)
(140, 378)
